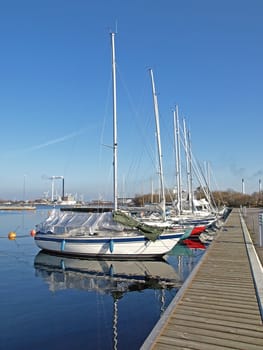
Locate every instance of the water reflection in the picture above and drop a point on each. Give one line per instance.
(104, 276)
(185, 256)
(116, 278)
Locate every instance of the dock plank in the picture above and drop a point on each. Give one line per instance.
(235, 325)
(218, 308)
(222, 328)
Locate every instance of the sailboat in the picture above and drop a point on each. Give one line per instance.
(111, 235)
(201, 216)
(159, 218)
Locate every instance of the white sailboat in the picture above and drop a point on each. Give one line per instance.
(188, 211)
(179, 218)
(113, 235)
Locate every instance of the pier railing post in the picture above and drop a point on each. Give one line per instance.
(260, 231)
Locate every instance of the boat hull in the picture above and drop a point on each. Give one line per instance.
(110, 248)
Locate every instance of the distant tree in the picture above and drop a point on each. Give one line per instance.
(228, 198)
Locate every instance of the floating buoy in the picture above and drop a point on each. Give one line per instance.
(11, 235)
(33, 233)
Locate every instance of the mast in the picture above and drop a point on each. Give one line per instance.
(187, 156)
(208, 181)
(115, 189)
(190, 171)
(63, 188)
(177, 159)
(156, 112)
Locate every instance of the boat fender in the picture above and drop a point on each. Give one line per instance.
(111, 245)
(111, 271)
(63, 243)
(62, 264)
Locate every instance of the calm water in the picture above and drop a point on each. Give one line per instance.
(51, 302)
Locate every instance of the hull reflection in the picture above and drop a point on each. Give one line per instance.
(106, 277)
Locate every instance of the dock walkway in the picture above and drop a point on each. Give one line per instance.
(220, 304)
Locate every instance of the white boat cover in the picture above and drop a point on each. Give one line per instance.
(78, 223)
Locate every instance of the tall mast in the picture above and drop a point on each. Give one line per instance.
(178, 160)
(208, 180)
(187, 156)
(156, 112)
(191, 197)
(115, 163)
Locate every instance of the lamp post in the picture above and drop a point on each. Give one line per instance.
(24, 188)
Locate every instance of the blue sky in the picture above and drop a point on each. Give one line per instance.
(55, 92)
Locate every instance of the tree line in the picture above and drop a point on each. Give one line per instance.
(227, 198)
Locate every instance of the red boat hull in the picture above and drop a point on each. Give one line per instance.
(197, 230)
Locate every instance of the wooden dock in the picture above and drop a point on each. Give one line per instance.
(16, 207)
(220, 304)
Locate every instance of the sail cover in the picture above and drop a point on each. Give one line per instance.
(149, 231)
(78, 223)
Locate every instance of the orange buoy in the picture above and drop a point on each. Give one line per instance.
(11, 235)
(33, 233)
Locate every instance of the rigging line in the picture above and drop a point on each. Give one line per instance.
(214, 178)
(194, 162)
(136, 114)
(101, 164)
(103, 192)
(105, 116)
(207, 190)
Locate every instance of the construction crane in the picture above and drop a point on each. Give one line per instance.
(53, 178)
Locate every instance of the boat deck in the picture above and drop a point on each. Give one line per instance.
(220, 305)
